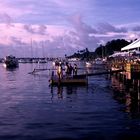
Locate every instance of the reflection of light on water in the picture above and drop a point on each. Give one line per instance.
(125, 94)
(116, 84)
(128, 103)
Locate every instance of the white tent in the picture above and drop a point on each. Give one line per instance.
(133, 45)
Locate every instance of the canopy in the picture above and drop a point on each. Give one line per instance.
(133, 45)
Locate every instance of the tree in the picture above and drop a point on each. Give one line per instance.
(102, 50)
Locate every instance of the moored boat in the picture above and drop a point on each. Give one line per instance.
(11, 61)
(89, 64)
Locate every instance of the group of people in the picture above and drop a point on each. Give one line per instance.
(69, 70)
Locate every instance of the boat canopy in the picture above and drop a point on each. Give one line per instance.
(133, 45)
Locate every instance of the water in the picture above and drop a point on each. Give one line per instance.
(31, 110)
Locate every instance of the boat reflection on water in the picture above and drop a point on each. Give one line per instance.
(64, 91)
(60, 92)
(128, 95)
(71, 90)
(56, 91)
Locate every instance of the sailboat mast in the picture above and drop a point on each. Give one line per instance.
(31, 48)
(43, 55)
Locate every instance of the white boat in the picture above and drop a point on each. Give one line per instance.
(89, 64)
(99, 61)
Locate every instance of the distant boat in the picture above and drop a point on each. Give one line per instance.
(11, 61)
(58, 62)
(99, 61)
(89, 64)
(42, 61)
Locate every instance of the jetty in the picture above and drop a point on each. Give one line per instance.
(103, 72)
(35, 70)
(69, 80)
(80, 79)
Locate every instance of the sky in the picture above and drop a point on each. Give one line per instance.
(53, 28)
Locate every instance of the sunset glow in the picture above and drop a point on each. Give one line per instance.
(65, 24)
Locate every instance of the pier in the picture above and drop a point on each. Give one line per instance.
(129, 77)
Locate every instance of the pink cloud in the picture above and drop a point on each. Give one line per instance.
(64, 39)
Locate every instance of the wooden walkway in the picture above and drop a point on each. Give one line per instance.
(80, 79)
(101, 73)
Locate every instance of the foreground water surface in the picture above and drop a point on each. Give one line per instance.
(32, 110)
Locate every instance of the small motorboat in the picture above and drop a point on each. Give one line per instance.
(11, 61)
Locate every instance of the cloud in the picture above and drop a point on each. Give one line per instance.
(64, 26)
(136, 28)
(57, 40)
(106, 27)
(11, 10)
(17, 41)
(77, 22)
(5, 18)
(83, 32)
(38, 29)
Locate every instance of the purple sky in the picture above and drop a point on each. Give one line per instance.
(59, 27)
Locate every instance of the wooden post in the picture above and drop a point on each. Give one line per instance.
(87, 76)
(138, 90)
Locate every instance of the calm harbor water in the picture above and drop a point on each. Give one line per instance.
(32, 110)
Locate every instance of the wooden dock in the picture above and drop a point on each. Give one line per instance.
(130, 77)
(80, 80)
(103, 72)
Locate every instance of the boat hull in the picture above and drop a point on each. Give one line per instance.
(72, 81)
(11, 62)
(11, 65)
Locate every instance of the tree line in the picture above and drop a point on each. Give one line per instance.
(102, 51)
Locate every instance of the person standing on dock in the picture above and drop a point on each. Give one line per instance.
(75, 69)
(67, 69)
(59, 72)
(70, 69)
